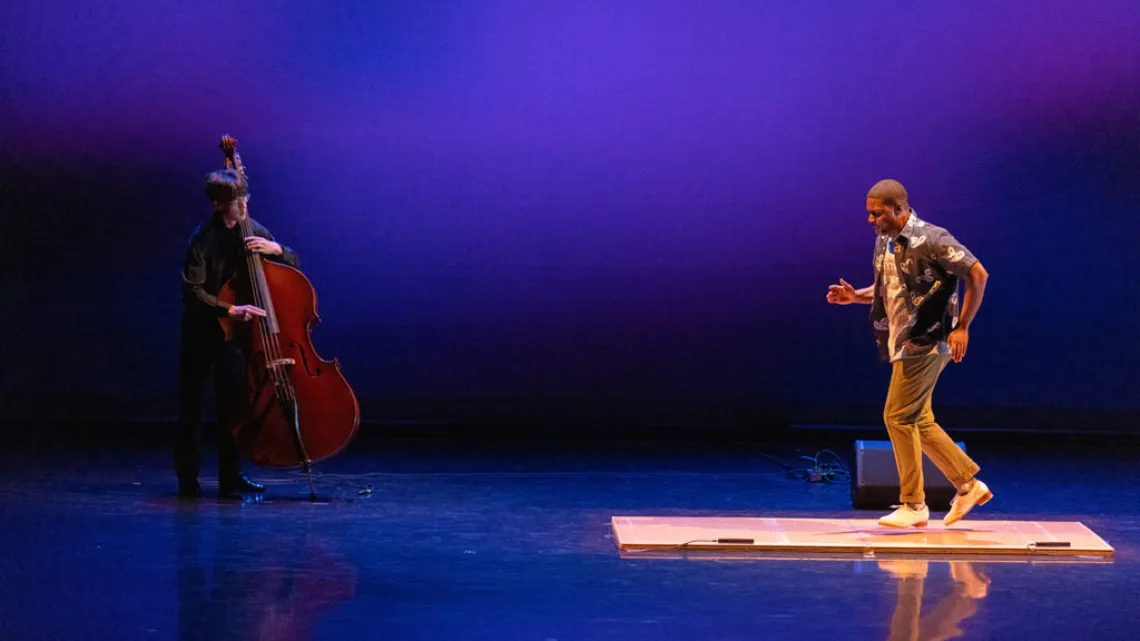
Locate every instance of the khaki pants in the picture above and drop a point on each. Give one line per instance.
(910, 424)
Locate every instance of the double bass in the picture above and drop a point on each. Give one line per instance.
(299, 409)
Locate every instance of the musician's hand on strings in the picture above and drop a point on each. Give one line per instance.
(245, 312)
(228, 144)
(263, 246)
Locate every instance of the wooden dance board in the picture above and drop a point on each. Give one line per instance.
(970, 537)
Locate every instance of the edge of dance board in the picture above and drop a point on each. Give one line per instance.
(855, 535)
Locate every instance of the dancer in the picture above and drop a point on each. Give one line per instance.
(914, 312)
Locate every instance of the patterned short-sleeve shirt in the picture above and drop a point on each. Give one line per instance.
(930, 262)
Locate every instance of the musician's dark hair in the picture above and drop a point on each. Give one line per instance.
(225, 185)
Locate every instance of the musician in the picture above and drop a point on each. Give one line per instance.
(215, 253)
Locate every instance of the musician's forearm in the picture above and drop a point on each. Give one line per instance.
(287, 256)
(208, 301)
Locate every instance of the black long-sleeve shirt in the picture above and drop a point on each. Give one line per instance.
(214, 254)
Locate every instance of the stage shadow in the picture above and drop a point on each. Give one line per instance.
(963, 537)
(885, 531)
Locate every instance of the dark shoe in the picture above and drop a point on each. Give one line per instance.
(189, 490)
(239, 485)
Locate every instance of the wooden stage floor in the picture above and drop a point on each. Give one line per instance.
(856, 535)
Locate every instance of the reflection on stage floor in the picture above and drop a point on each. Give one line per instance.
(491, 541)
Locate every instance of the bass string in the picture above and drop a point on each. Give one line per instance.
(267, 338)
(257, 277)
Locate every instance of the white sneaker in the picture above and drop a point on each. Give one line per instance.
(963, 503)
(906, 516)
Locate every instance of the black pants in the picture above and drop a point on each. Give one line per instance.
(203, 351)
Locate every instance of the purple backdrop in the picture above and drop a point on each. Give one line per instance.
(630, 201)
